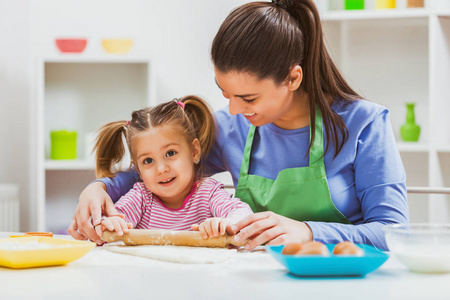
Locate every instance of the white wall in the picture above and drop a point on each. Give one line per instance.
(15, 96)
(176, 35)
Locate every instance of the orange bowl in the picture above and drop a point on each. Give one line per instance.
(117, 45)
(71, 45)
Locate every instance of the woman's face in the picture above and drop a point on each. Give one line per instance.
(260, 101)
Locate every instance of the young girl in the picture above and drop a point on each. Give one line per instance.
(167, 144)
(311, 158)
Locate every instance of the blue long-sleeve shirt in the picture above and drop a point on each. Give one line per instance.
(366, 179)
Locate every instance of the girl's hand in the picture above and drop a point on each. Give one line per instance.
(212, 227)
(113, 223)
(94, 201)
(268, 227)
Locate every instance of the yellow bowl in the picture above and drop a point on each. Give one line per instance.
(117, 45)
(51, 252)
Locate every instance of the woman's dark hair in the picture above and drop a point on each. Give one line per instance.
(194, 120)
(267, 39)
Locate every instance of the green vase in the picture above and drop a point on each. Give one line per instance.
(410, 131)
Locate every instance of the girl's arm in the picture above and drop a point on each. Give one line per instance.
(223, 205)
(132, 204)
(225, 209)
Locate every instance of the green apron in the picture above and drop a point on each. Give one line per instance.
(301, 194)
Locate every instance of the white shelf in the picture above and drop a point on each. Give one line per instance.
(81, 58)
(67, 165)
(396, 56)
(412, 147)
(420, 147)
(81, 93)
(342, 15)
(443, 149)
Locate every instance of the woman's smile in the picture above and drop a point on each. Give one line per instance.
(250, 117)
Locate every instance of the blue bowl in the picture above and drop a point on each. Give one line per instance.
(333, 265)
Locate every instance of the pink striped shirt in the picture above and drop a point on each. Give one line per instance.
(207, 199)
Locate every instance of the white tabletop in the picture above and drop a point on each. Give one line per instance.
(102, 274)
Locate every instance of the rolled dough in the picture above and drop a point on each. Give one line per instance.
(177, 254)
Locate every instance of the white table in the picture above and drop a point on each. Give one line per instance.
(105, 275)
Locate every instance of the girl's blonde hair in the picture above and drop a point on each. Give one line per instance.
(195, 120)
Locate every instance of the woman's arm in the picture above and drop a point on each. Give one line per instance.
(93, 203)
(120, 184)
(380, 189)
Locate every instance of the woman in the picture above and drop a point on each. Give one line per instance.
(339, 179)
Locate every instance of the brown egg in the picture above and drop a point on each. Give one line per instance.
(347, 248)
(290, 249)
(313, 248)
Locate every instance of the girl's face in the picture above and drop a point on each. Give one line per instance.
(165, 161)
(262, 101)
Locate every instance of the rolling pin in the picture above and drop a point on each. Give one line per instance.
(136, 237)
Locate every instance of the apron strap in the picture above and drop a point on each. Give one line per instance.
(316, 153)
(245, 165)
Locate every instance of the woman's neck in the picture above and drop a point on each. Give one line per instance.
(298, 116)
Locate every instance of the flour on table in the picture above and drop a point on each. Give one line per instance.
(176, 254)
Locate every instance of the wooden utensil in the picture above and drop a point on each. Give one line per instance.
(136, 237)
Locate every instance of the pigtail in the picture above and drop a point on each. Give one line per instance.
(109, 148)
(201, 118)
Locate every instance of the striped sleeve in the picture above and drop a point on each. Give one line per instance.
(131, 204)
(222, 205)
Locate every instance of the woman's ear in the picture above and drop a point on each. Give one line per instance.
(295, 78)
(196, 151)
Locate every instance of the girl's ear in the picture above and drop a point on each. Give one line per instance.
(196, 151)
(295, 78)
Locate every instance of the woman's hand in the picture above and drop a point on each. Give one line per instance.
(212, 227)
(94, 202)
(269, 227)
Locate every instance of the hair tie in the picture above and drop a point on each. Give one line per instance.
(287, 5)
(181, 104)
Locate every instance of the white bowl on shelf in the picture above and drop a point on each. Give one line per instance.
(423, 248)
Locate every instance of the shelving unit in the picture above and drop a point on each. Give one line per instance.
(399, 56)
(390, 56)
(81, 93)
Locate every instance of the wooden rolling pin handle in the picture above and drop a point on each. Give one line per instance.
(167, 237)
